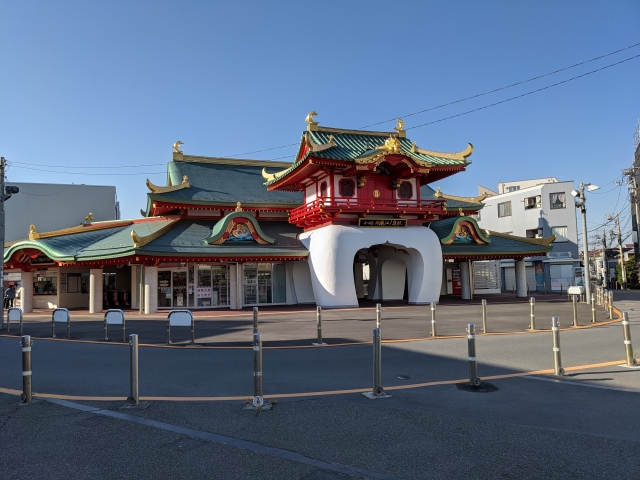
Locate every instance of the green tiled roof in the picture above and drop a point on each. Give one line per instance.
(350, 146)
(428, 193)
(223, 184)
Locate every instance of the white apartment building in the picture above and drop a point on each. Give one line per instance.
(537, 208)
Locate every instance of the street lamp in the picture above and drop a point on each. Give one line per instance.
(581, 203)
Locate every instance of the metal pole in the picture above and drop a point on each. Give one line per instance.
(257, 370)
(134, 398)
(575, 310)
(544, 286)
(532, 325)
(474, 381)
(593, 308)
(433, 319)
(631, 361)
(513, 288)
(610, 302)
(2, 199)
(377, 363)
(557, 359)
(561, 290)
(484, 316)
(585, 240)
(26, 396)
(319, 324)
(378, 314)
(621, 258)
(255, 320)
(528, 288)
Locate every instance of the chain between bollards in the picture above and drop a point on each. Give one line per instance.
(557, 359)
(378, 315)
(574, 301)
(27, 395)
(485, 329)
(532, 315)
(377, 362)
(626, 328)
(433, 319)
(258, 401)
(593, 308)
(134, 396)
(474, 380)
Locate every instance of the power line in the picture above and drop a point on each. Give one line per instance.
(505, 87)
(85, 173)
(524, 94)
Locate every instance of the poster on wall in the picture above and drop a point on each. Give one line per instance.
(203, 292)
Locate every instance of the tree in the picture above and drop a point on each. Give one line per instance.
(632, 273)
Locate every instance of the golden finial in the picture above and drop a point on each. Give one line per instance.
(136, 239)
(88, 218)
(311, 123)
(33, 235)
(461, 213)
(185, 180)
(238, 207)
(32, 228)
(176, 146)
(400, 126)
(438, 193)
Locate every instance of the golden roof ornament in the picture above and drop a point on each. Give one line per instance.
(399, 126)
(460, 212)
(438, 193)
(88, 218)
(311, 123)
(392, 145)
(238, 207)
(176, 147)
(33, 235)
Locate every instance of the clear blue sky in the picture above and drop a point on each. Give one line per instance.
(91, 83)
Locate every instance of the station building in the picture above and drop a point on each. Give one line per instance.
(353, 217)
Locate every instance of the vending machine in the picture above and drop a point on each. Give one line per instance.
(456, 283)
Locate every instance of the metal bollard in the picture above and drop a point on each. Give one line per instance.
(27, 395)
(631, 361)
(485, 329)
(378, 315)
(544, 286)
(561, 290)
(532, 323)
(528, 288)
(433, 319)
(134, 397)
(319, 323)
(474, 380)
(575, 310)
(513, 288)
(557, 359)
(593, 308)
(258, 401)
(610, 303)
(377, 363)
(255, 320)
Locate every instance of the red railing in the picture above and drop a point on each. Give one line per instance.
(360, 204)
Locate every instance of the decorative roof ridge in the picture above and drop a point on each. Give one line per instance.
(546, 242)
(139, 241)
(156, 189)
(483, 237)
(84, 227)
(477, 199)
(316, 147)
(222, 225)
(231, 161)
(462, 156)
(347, 131)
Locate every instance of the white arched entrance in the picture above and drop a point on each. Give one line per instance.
(332, 249)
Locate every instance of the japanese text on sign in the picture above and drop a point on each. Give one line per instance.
(382, 222)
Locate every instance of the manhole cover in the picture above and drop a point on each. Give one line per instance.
(484, 387)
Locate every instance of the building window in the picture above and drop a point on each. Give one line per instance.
(513, 189)
(347, 187)
(534, 233)
(504, 209)
(405, 190)
(323, 189)
(561, 234)
(533, 202)
(557, 200)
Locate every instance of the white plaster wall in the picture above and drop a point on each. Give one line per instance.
(302, 282)
(393, 277)
(291, 297)
(332, 249)
(26, 294)
(310, 193)
(96, 290)
(150, 290)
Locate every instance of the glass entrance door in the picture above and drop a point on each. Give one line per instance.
(264, 283)
(172, 288)
(179, 288)
(164, 288)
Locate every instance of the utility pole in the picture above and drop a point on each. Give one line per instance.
(605, 265)
(621, 258)
(582, 205)
(5, 194)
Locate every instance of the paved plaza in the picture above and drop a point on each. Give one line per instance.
(526, 423)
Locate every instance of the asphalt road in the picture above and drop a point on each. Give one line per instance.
(582, 425)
